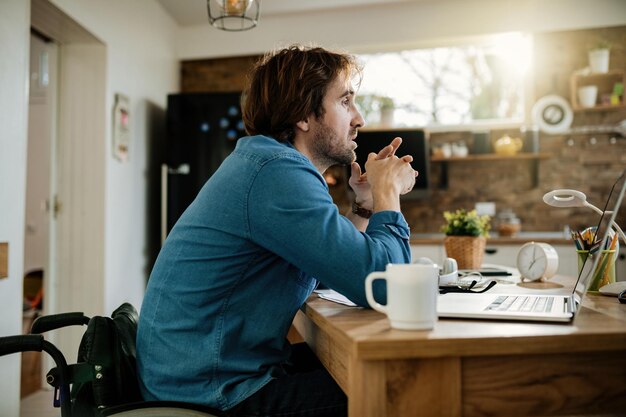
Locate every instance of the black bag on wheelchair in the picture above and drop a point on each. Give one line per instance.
(105, 372)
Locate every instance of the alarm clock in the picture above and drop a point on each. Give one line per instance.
(537, 260)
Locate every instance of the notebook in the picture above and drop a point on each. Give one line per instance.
(535, 305)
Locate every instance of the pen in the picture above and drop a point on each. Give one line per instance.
(613, 242)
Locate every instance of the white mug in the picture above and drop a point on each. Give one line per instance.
(587, 96)
(412, 291)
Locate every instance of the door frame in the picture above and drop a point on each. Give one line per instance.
(77, 246)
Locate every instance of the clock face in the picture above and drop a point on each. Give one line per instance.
(537, 260)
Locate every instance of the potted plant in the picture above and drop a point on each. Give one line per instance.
(387, 107)
(466, 237)
(599, 57)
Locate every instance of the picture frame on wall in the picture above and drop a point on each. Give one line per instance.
(121, 127)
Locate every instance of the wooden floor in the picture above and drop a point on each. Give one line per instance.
(39, 404)
(31, 363)
(36, 401)
(31, 373)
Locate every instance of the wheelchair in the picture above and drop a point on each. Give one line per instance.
(103, 382)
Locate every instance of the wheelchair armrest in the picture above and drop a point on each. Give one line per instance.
(36, 342)
(21, 343)
(56, 321)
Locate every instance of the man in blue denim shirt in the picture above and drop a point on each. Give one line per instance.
(259, 236)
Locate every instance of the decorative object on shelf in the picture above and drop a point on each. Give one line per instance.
(531, 138)
(443, 151)
(466, 237)
(446, 150)
(508, 223)
(552, 114)
(481, 142)
(233, 15)
(617, 95)
(459, 149)
(587, 96)
(536, 261)
(387, 109)
(507, 145)
(599, 57)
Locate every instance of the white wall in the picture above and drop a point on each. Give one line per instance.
(14, 41)
(141, 64)
(417, 23)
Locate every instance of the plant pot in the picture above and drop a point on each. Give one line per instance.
(599, 60)
(386, 117)
(467, 250)
(587, 96)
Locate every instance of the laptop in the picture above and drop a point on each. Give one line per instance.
(534, 305)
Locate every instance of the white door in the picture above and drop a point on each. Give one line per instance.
(39, 215)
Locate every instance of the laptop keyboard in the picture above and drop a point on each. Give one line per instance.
(522, 303)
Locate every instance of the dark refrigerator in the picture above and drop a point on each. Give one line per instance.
(202, 130)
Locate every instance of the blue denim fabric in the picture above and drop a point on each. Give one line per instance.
(237, 266)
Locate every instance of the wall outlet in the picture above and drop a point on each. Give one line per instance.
(486, 208)
(4, 259)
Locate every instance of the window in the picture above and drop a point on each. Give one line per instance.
(470, 84)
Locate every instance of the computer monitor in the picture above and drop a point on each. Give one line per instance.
(414, 143)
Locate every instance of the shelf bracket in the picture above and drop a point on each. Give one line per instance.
(443, 179)
(534, 173)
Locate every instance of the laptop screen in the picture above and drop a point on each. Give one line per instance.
(606, 241)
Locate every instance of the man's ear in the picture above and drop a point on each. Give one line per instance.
(303, 125)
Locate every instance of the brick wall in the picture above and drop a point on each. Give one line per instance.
(586, 162)
(221, 75)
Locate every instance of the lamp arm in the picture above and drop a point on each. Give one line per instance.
(620, 232)
(594, 208)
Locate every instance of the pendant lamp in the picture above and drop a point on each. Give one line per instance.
(233, 15)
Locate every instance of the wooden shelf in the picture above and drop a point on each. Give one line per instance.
(491, 157)
(604, 82)
(601, 107)
(534, 157)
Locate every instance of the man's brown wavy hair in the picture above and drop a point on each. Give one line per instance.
(287, 86)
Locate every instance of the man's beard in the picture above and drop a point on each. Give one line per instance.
(331, 150)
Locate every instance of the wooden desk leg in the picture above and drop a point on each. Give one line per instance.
(424, 387)
(294, 336)
(366, 389)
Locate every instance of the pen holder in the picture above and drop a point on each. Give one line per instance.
(605, 270)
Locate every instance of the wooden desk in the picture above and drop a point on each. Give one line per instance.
(471, 367)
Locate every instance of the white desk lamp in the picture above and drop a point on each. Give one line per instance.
(573, 198)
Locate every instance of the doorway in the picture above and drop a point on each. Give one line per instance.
(69, 250)
(39, 209)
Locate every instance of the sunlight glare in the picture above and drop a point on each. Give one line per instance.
(515, 50)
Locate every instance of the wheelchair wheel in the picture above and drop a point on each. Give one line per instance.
(161, 412)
